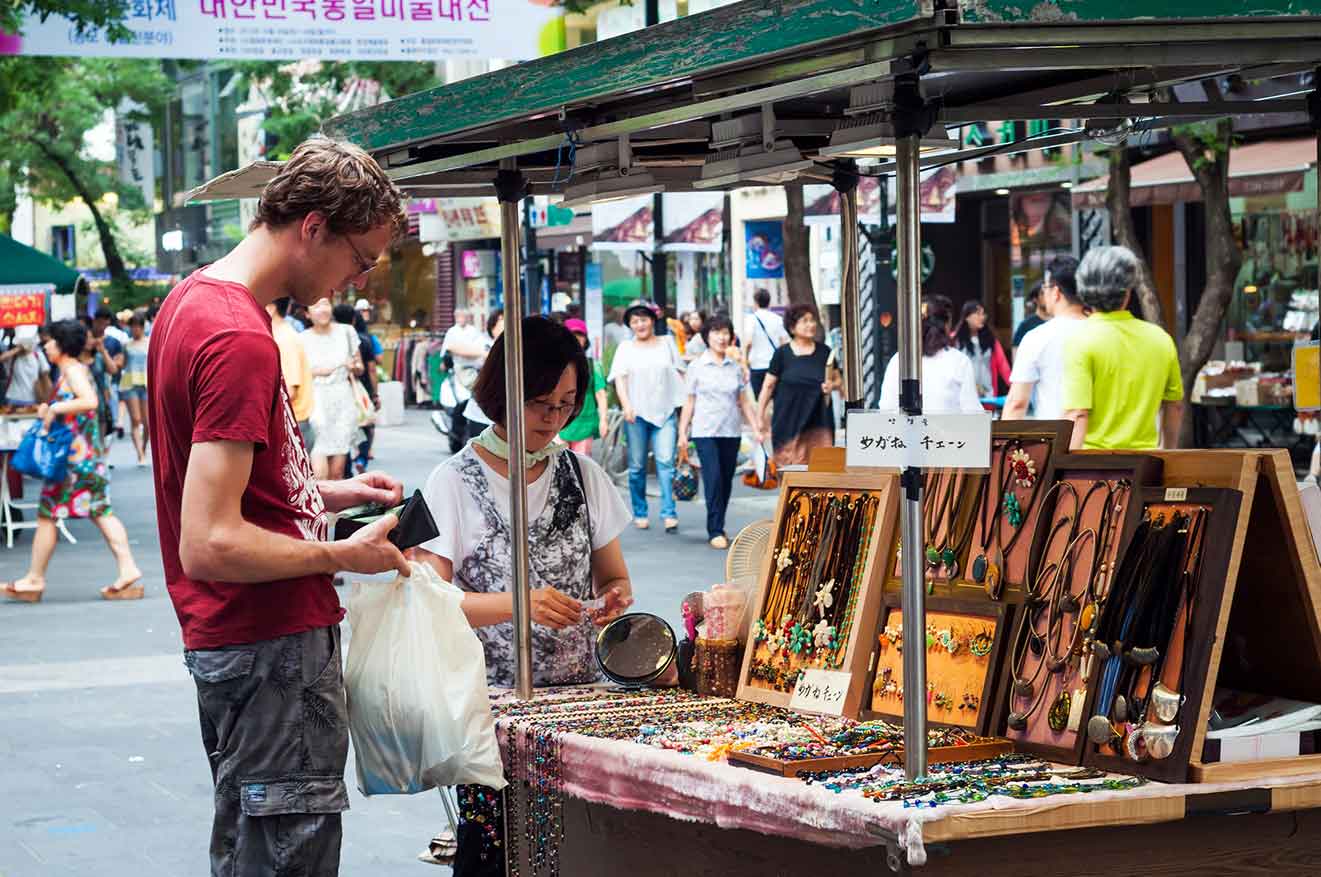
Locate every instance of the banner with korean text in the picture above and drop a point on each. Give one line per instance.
(332, 30)
(24, 304)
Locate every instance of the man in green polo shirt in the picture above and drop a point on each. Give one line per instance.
(1119, 371)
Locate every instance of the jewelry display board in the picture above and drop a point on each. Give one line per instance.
(965, 644)
(950, 500)
(820, 588)
(1087, 519)
(1154, 634)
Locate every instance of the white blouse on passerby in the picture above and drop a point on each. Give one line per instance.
(948, 384)
(653, 372)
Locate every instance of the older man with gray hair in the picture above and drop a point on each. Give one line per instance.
(1119, 371)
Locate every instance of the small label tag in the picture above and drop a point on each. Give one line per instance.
(1176, 494)
(1075, 708)
(821, 691)
(255, 793)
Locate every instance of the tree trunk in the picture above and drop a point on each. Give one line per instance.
(114, 262)
(797, 249)
(1117, 201)
(1210, 166)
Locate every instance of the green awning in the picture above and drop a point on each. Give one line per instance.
(20, 263)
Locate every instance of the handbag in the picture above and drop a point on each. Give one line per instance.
(363, 400)
(44, 453)
(685, 482)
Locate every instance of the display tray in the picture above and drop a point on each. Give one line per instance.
(989, 747)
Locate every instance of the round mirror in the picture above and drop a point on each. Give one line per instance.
(635, 649)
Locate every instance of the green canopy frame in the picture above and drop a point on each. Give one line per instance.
(20, 263)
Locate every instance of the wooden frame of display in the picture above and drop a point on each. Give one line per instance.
(1001, 613)
(1197, 681)
(868, 604)
(1140, 471)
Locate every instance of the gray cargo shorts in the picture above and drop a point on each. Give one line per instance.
(275, 727)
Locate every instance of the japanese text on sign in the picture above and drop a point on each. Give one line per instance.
(892, 439)
(821, 691)
(25, 309)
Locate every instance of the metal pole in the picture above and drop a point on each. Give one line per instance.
(511, 186)
(850, 316)
(910, 399)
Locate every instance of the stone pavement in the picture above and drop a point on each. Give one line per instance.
(101, 764)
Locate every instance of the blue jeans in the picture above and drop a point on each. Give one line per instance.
(660, 440)
(719, 458)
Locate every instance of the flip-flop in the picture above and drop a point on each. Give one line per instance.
(22, 596)
(131, 591)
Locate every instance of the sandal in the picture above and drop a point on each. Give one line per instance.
(441, 850)
(131, 591)
(26, 595)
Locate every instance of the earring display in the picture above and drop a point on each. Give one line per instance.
(962, 642)
(818, 591)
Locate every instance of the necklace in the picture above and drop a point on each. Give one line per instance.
(934, 523)
(988, 566)
(1015, 512)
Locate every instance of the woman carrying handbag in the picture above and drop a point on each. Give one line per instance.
(84, 492)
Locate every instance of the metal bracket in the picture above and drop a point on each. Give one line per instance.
(845, 177)
(625, 155)
(511, 185)
(913, 115)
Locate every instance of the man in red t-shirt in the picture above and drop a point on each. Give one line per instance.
(244, 525)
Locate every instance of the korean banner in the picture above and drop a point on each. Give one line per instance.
(625, 224)
(23, 305)
(332, 30)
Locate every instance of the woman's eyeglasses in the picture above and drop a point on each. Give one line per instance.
(547, 410)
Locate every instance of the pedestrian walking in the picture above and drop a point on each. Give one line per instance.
(763, 333)
(1035, 313)
(294, 368)
(244, 522)
(592, 421)
(800, 379)
(948, 382)
(989, 363)
(648, 377)
(85, 490)
(365, 375)
(29, 372)
(718, 399)
(1038, 374)
(575, 517)
(133, 386)
(109, 342)
(332, 352)
(694, 346)
(1119, 371)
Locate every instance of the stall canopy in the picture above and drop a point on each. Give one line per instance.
(21, 264)
(1272, 167)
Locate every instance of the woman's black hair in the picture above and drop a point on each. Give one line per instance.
(492, 320)
(548, 348)
(344, 313)
(70, 336)
(715, 323)
(935, 325)
(137, 320)
(985, 338)
(796, 313)
(359, 323)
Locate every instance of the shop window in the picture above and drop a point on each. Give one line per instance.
(64, 243)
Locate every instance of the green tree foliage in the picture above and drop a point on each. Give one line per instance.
(45, 127)
(300, 104)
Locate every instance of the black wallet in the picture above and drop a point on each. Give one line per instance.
(415, 522)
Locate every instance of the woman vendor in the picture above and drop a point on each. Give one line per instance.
(575, 516)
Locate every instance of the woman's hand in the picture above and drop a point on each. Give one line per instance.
(604, 426)
(555, 609)
(323, 372)
(629, 414)
(46, 415)
(683, 449)
(616, 604)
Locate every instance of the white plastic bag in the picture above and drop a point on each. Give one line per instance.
(419, 713)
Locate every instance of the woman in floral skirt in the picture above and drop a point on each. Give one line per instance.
(85, 490)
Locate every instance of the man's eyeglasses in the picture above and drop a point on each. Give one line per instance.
(363, 265)
(547, 410)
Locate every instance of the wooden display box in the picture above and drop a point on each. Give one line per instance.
(854, 652)
(982, 749)
(952, 675)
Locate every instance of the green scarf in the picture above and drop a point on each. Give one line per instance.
(488, 440)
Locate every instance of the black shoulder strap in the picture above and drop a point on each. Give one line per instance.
(582, 485)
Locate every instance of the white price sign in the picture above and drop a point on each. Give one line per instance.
(894, 440)
(821, 691)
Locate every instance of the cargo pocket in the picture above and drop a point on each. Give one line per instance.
(299, 794)
(220, 665)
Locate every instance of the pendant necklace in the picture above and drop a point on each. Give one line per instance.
(1019, 475)
(988, 566)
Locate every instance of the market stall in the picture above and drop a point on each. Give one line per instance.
(1111, 717)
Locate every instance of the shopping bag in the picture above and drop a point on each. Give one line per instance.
(44, 453)
(685, 482)
(419, 714)
(363, 400)
(762, 475)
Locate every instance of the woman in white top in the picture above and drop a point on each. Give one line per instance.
(648, 376)
(949, 384)
(332, 355)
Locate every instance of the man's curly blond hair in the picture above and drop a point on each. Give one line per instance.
(338, 180)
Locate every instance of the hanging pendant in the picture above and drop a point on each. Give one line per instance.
(951, 563)
(1056, 665)
(1058, 717)
(1024, 469)
(1023, 687)
(994, 583)
(1069, 603)
(1121, 709)
(1037, 646)
(1017, 722)
(1088, 617)
(1144, 655)
(1077, 701)
(979, 567)
(932, 556)
(1013, 510)
(1099, 730)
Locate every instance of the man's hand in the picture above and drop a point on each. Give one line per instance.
(368, 551)
(369, 487)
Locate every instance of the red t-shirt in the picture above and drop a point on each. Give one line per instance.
(215, 376)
